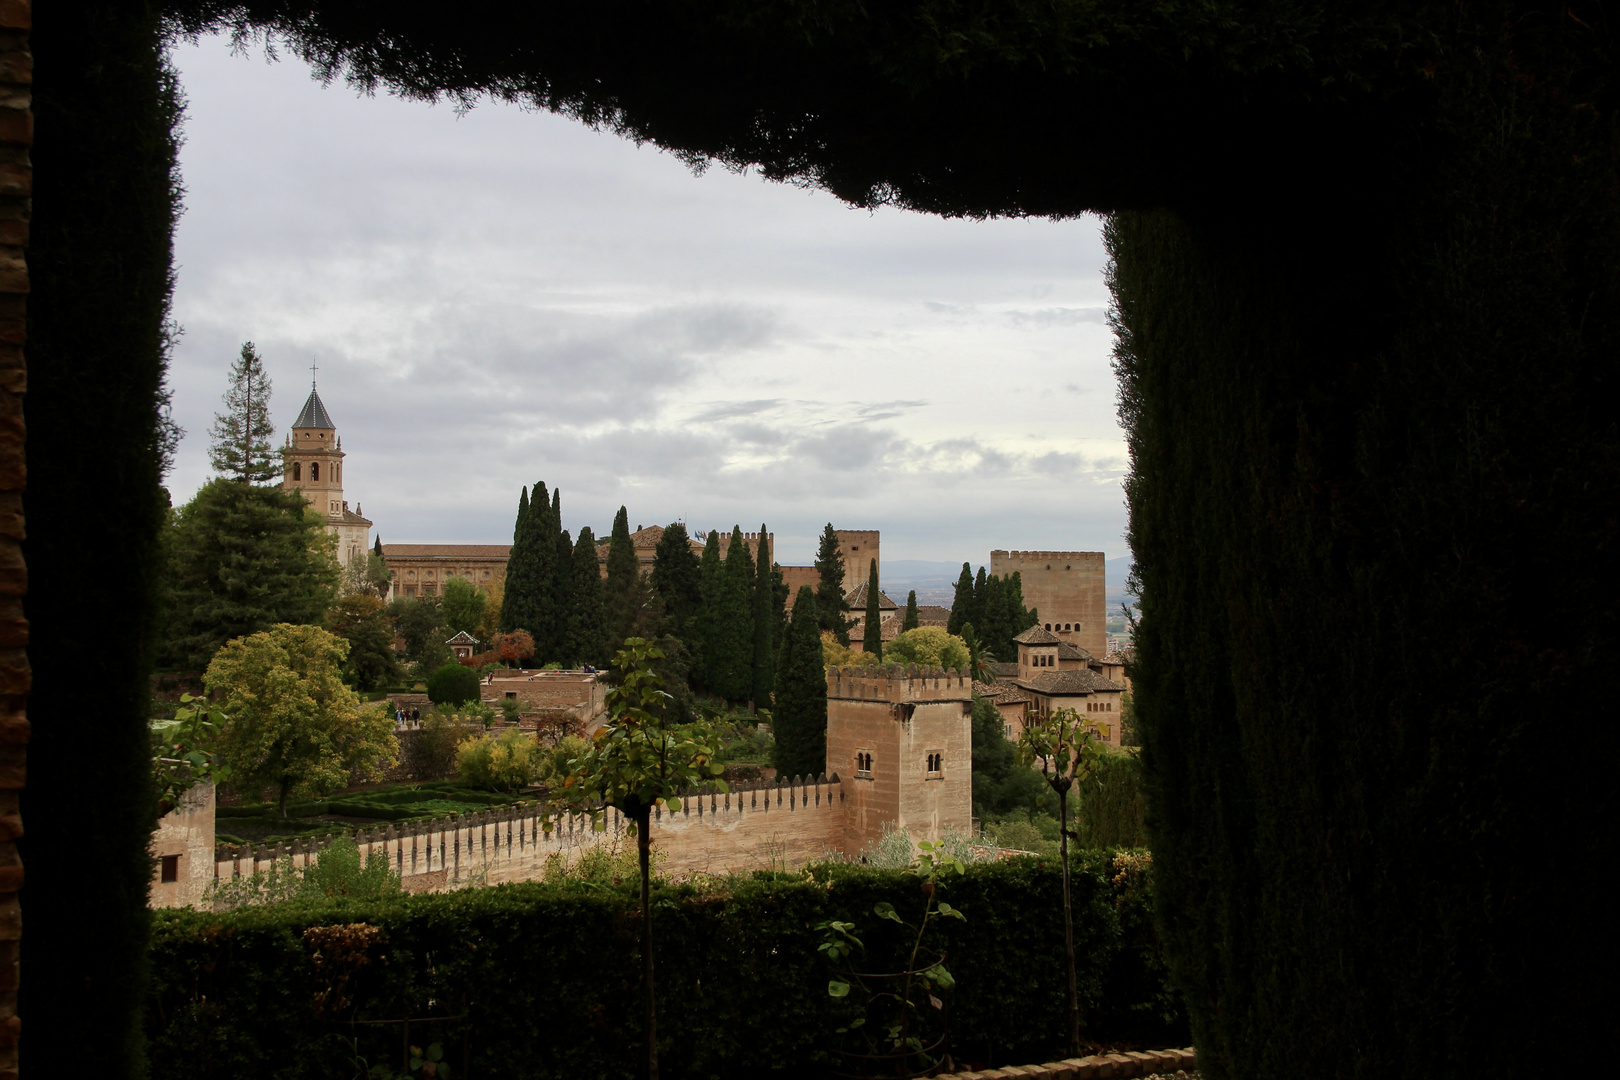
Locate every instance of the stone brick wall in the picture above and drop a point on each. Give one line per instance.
(1067, 588)
(185, 834)
(16, 189)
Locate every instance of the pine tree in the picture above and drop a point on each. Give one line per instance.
(831, 606)
(517, 599)
(587, 607)
(764, 605)
(800, 718)
(912, 619)
(677, 578)
(706, 623)
(243, 433)
(622, 574)
(242, 559)
(962, 602)
(872, 641)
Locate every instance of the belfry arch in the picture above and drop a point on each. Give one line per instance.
(1366, 270)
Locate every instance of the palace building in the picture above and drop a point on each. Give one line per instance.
(313, 462)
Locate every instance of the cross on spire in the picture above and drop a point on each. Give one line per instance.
(312, 373)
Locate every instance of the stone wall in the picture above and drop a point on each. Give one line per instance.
(1067, 589)
(185, 834)
(16, 189)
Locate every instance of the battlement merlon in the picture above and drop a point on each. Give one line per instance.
(1097, 555)
(895, 683)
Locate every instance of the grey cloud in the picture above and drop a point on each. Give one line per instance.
(726, 410)
(1043, 318)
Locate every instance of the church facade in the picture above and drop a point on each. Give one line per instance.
(312, 459)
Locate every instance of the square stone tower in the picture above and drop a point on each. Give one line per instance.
(900, 740)
(1067, 589)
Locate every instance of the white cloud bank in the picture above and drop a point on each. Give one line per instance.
(506, 297)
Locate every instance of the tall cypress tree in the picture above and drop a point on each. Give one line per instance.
(962, 602)
(1019, 618)
(542, 587)
(800, 719)
(912, 620)
(712, 587)
(981, 591)
(995, 628)
(677, 578)
(517, 599)
(831, 606)
(377, 547)
(872, 641)
(587, 608)
(562, 594)
(764, 605)
(734, 660)
(622, 573)
(779, 598)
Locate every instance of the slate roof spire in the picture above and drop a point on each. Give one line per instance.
(314, 414)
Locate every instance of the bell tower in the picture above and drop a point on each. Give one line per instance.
(312, 462)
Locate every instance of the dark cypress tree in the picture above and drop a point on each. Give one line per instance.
(622, 572)
(911, 620)
(831, 606)
(962, 602)
(779, 598)
(563, 594)
(981, 590)
(764, 604)
(734, 660)
(800, 718)
(377, 547)
(872, 641)
(549, 616)
(517, 601)
(706, 624)
(1019, 618)
(994, 628)
(587, 639)
(677, 578)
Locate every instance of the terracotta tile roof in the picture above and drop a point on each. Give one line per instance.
(856, 598)
(933, 615)
(1003, 669)
(1068, 650)
(462, 638)
(1084, 681)
(1000, 693)
(349, 517)
(1036, 635)
(447, 551)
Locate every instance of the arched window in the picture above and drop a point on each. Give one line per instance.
(314, 470)
(298, 471)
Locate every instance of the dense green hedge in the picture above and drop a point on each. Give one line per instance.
(546, 976)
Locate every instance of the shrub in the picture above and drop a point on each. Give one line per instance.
(929, 646)
(536, 976)
(506, 762)
(452, 684)
(432, 751)
(511, 710)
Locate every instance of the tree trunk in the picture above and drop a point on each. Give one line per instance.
(1068, 923)
(281, 800)
(644, 851)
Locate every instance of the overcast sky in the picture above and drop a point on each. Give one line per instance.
(505, 296)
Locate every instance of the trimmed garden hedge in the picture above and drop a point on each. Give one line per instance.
(543, 980)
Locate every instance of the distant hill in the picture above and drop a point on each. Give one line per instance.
(935, 582)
